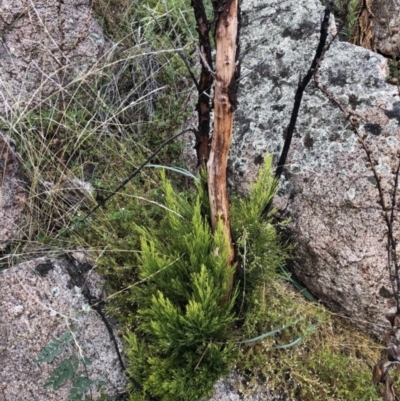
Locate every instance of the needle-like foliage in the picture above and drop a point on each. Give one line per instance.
(179, 348)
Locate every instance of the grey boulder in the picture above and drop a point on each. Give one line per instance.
(328, 189)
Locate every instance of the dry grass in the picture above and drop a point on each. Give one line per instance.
(79, 142)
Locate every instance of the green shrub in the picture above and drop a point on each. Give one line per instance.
(170, 276)
(181, 332)
(179, 348)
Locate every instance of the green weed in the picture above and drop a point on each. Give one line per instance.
(353, 12)
(71, 369)
(348, 12)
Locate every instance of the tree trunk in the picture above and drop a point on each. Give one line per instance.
(226, 36)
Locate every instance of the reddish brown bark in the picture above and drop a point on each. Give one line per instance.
(226, 36)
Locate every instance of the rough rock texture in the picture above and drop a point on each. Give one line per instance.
(328, 188)
(227, 390)
(40, 301)
(43, 46)
(13, 196)
(386, 24)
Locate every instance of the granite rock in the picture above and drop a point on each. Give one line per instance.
(328, 189)
(40, 300)
(44, 46)
(13, 194)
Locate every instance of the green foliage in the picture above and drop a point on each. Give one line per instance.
(303, 358)
(353, 12)
(127, 19)
(100, 126)
(261, 193)
(64, 371)
(67, 368)
(157, 253)
(181, 337)
(55, 347)
(80, 386)
(260, 251)
(179, 349)
(348, 12)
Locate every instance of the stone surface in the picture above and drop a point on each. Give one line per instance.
(328, 188)
(228, 390)
(386, 24)
(13, 195)
(41, 300)
(44, 46)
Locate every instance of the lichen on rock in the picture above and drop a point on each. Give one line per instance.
(328, 188)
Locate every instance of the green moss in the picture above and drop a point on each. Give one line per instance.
(332, 363)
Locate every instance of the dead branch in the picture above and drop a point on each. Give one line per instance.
(203, 106)
(226, 40)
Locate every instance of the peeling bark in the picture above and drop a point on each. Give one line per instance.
(364, 34)
(226, 38)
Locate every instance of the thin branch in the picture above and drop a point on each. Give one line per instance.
(388, 218)
(205, 62)
(201, 358)
(394, 243)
